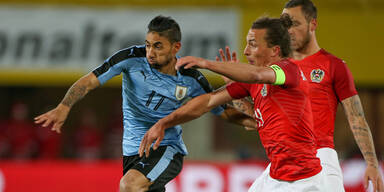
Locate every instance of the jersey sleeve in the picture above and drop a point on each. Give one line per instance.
(238, 90)
(117, 63)
(202, 87)
(287, 73)
(343, 81)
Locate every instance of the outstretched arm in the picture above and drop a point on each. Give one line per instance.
(78, 90)
(240, 72)
(243, 105)
(363, 136)
(191, 110)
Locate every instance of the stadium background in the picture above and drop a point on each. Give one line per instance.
(222, 157)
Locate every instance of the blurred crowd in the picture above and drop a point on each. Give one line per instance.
(92, 133)
(21, 139)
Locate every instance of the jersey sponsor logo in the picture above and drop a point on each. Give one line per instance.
(180, 92)
(264, 90)
(317, 75)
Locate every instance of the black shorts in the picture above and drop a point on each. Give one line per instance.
(162, 165)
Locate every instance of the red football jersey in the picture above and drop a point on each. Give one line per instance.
(285, 122)
(330, 82)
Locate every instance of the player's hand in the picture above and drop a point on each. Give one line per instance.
(373, 174)
(254, 127)
(156, 132)
(227, 57)
(55, 116)
(191, 62)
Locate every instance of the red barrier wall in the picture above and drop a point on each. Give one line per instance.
(64, 176)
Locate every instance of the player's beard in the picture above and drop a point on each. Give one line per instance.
(158, 65)
(304, 43)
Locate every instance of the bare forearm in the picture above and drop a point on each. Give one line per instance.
(242, 72)
(237, 117)
(364, 140)
(192, 110)
(360, 129)
(244, 106)
(79, 89)
(74, 94)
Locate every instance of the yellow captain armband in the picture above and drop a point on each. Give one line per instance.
(280, 75)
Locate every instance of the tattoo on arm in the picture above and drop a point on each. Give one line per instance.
(74, 94)
(244, 106)
(355, 106)
(360, 129)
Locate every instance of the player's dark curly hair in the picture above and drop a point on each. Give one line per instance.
(277, 32)
(307, 7)
(166, 27)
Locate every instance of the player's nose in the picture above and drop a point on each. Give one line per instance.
(290, 31)
(246, 51)
(151, 52)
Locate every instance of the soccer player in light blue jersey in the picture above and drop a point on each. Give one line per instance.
(152, 88)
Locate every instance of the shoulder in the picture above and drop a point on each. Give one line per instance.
(285, 62)
(337, 66)
(286, 65)
(198, 76)
(127, 53)
(332, 58)
(116, 61)
(194, 73)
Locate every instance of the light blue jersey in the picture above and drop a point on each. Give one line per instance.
(149, 95)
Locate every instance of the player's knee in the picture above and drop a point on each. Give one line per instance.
(127, 184)
(130, 183)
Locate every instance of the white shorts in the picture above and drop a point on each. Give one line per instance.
(331, 172)
(265, 183)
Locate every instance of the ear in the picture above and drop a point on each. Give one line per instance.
(176, 47)
(275, 51)
(313, 25)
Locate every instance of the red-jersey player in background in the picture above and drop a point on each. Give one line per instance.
(281, 106)
(331, 82)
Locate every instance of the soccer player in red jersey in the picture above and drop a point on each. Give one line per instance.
(331, 82)
(281, 107)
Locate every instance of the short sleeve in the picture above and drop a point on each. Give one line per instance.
(106, 72)
(238, 90)
(343, 81)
